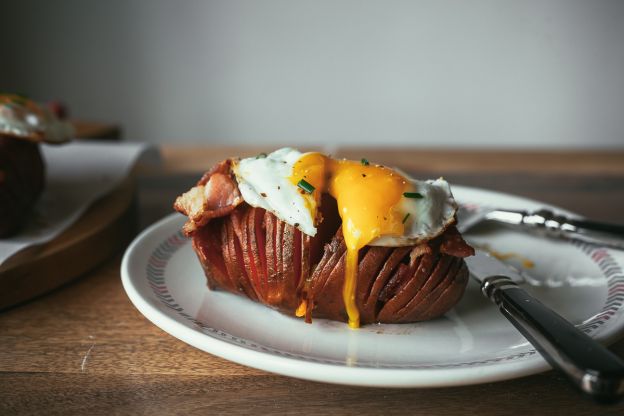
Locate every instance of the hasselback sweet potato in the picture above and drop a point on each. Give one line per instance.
(250, 252)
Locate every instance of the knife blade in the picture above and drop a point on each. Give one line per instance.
(589, 365)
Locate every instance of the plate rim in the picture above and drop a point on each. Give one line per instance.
(318, 371)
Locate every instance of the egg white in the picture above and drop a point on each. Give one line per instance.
(428, 216)
(264, 182)
(20, 121)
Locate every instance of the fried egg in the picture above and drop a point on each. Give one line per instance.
(23, 118)
(378, 206)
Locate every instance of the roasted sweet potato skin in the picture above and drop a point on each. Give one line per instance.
(250, 252)
(22, 173)
(394, 284)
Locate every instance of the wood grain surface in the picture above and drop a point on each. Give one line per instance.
(440, 162)
(95, 237)
(84, 349)
(95, 130)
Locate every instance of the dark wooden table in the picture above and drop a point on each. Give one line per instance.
(95, 130)
(84, 349)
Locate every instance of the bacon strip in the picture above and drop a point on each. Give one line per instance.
(454, 245)
(215, 195)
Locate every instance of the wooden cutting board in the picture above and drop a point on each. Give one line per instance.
(103, 230)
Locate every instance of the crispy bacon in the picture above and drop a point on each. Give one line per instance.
(215, 195)
(454, 245)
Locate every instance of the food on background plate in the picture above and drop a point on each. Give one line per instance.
(23, 125)
(344, 240)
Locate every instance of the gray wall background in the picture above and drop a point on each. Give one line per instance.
(433, 73)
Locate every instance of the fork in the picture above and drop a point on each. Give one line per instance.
(545, 222)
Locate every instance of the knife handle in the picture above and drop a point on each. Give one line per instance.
(592, 367)
(560, 226)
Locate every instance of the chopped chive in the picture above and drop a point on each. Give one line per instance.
(414, 195)
(306, 186)
(365, 162)
(405, 218)
(261, 156)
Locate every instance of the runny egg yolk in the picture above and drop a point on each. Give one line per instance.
(367, 197)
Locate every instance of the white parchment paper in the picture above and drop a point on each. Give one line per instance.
(77, 174)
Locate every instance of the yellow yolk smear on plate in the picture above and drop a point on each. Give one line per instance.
(367, 197)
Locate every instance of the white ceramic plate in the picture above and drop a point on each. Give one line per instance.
(472, 344)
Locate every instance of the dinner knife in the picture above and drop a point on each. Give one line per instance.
(589, 365)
